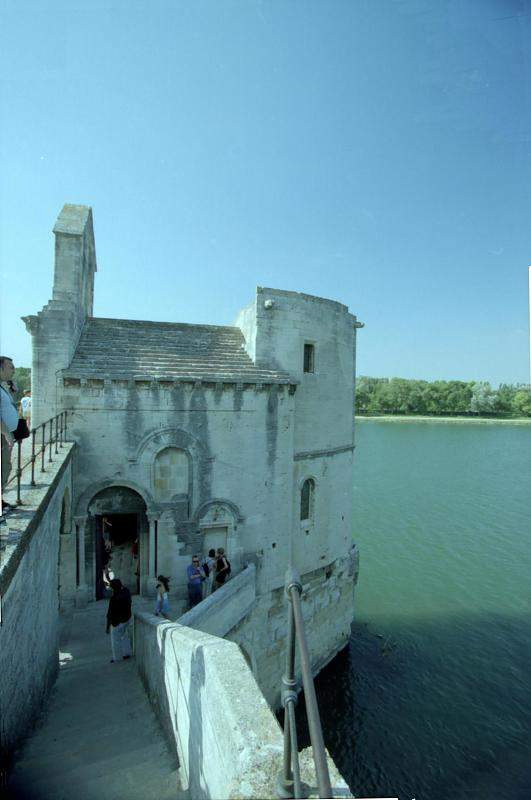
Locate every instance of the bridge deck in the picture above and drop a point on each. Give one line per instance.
(98, 738)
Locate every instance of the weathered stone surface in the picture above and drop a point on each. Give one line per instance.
(99, 736)
(29, 598)
(214, 430)
(227, 739)
(121, 347)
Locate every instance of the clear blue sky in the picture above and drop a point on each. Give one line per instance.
(374, 152)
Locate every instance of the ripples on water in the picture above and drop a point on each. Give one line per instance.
(432, 699)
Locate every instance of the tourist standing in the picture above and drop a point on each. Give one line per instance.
(222, 568)
(118, 620)
(8, 417)
(209, 565)
(196, 576)
(162, 607)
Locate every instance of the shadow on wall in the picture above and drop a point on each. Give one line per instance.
(196, 777)
(160, 700)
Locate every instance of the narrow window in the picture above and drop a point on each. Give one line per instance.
(307, 499)
(309, 365)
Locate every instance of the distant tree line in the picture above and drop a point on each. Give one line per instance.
(403, 396)
(441, 398)
(22, 379)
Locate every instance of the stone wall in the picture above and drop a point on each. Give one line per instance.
(327, 607)
(227, 740)
(258, 624)
(29, 581)
(225, 608)
(239, 441)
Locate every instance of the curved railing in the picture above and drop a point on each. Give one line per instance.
(42, 439)
(290, 780)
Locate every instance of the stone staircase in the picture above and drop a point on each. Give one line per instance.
(132, 348)
(98, 738)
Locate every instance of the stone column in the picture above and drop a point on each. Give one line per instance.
(82, 590)
(149, 576)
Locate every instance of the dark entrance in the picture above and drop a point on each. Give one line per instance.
(117, 552)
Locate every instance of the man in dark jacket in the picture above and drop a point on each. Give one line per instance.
(118, 620)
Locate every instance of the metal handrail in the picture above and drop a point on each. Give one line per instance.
(61, 421)
(290, 781)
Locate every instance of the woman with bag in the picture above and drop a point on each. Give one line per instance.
(222, 569)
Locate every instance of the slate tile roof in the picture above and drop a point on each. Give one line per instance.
(120, 348)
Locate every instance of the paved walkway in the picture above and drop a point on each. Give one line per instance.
(99, 739)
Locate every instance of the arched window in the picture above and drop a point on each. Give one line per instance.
(307, 498)
(171, 473)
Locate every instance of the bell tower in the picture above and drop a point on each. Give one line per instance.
(56, 329)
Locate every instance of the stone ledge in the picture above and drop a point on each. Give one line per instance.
(77, 381)
(21, 524)
(307, 454)
(225, 608)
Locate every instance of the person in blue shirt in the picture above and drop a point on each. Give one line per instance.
(8, 417)
(196, 576)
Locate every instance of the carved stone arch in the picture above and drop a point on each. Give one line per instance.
(162, 438)
(306, 477)
(91, 491)
(218, 501)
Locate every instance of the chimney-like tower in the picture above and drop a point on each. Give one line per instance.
(56, 329)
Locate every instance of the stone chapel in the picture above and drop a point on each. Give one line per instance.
(197, 436)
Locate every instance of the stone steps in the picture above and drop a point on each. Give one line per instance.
(98, 738)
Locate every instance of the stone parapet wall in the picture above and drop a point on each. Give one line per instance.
(328, 611)
(227, 740)
(216, 718)
(225, 608)
(29, 579)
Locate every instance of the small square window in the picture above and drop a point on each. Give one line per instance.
(309, 358)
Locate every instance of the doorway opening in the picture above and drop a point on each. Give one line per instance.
(214, 537)
(117, 552)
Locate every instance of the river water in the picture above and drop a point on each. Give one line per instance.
(432, 698)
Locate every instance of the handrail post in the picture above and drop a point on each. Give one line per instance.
(56, 434)
(289, 688)
(43, 448)
(33, 456)
(66, 419)
(289, 783)
(19, 471)
(61, 437)
(50, 442)
(312, 709)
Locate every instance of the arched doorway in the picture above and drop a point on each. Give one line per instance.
(119, 528)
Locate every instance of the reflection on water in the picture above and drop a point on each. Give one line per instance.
(432, 698)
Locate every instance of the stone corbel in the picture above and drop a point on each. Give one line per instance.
(32, 324)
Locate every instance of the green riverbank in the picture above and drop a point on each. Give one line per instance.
(456, 420)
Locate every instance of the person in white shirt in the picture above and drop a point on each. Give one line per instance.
(25, 408)
(8, 417)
